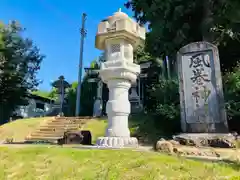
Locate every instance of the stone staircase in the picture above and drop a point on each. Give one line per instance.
(54, 128)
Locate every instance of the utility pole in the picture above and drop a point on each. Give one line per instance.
(62, 94)
(83, 34)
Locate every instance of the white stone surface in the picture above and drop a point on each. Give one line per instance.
(121, 24)
(117, 142)
(118, 36)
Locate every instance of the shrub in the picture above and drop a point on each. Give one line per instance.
(165, 105)
(232, 98)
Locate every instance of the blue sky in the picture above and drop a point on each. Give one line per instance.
(54, 26)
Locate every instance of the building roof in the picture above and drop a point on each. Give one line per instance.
(40, 98)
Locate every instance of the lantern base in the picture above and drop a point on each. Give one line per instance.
(117, 142)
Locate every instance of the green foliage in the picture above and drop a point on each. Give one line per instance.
(162, 101)
(1, 36)
(45, 94)
(88, 92)
(232, 97)
(140, 55)
(19, 62)
(53, 94)
(94, 64)
(102, 57)
(161, 97)
(143, 126)
(163, 104)
(71, 99)
(173, 24)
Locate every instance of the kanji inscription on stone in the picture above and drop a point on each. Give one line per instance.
(201, 95)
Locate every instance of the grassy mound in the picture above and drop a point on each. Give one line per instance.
(140, 126)
(19, 129)
(65, 163)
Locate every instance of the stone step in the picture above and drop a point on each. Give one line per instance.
(52, 126)
(68, 120)
(48, 132)
(62, 125)
(38, 133)
(52, 132)
(48, 129)
(55, 128)
(46, 135)
(73, 118)
(40, 138)
(58, 129)
(67, 123)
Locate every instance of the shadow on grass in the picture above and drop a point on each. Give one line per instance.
(30, 142)
(144, 128)
(233, 164)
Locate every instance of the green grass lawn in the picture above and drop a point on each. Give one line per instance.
(56, 163)
(50, 163)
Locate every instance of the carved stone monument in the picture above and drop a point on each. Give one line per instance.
(118, 35)
(201, 93)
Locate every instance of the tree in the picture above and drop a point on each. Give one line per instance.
(88, 92)
(102, 57)
(47, 94)
(232, 97)
(71, 94)
(140, 55)
(53, 94)
(175, 23)
(161, 97)
(20, 61)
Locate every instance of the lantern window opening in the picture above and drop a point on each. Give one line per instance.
(115, 48)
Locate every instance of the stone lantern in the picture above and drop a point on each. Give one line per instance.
(118, 35)
(61, 86)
